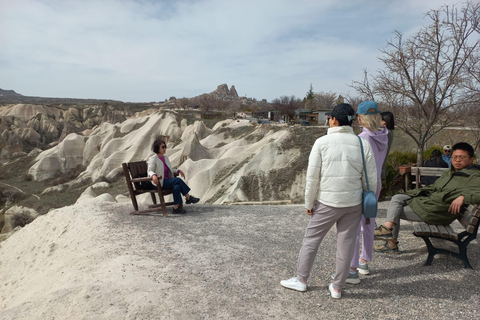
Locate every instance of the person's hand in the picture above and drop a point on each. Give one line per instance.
(309, 212)
(155, 179)
(181, 173)
(456, 205)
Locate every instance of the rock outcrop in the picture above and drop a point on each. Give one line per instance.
(237, 160)
(223, 93)
(24, 127)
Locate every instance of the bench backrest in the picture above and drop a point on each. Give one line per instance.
(470, 218)
(134, 170)
(418, 172)
(427, 171)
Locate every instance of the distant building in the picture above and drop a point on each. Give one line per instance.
(313, 117)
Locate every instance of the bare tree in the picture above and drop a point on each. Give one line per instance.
(287, 105)
(182, 103)
(326, 100)
(354, 101)
(427, 75)
(208, 103)
(469, 116)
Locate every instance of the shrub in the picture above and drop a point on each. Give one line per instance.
(9, 194)
(221, 144)
(67, 176)
(21, 219)
(394, 181)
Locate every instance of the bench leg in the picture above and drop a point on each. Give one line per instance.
(432, 251)
(462, 249)
(461, 255)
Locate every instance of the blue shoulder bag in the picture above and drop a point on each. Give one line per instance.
(369, 198)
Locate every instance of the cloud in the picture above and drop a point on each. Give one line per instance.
(135, 50)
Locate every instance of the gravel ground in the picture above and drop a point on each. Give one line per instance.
(226, 262)
(215, 262)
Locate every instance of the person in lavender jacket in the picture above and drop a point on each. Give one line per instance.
(377, 135)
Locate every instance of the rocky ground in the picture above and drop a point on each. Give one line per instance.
(215, 262)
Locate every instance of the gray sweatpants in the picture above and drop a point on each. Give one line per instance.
(323, 218)
(399, 209)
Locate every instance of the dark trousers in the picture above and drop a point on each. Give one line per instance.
(178, 186)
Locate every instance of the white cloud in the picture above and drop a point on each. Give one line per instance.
(150, 50)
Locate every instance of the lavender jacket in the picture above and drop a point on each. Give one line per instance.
(379, 142)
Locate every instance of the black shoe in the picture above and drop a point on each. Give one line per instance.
(179, 210)
(191, 200)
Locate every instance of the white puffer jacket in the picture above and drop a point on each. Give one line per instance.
(335, 175)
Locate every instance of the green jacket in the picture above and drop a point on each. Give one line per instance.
(431, 203)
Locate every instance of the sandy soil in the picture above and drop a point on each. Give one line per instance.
(215, 262)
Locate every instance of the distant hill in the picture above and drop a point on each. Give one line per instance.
(10, 96)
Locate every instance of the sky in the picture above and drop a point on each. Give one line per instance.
(147, 50)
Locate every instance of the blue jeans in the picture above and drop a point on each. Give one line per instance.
(178, 186)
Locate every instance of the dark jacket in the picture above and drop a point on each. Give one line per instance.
(432, 202)
(432, 163)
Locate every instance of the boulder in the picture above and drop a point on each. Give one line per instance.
(89, 196)
(65, 156)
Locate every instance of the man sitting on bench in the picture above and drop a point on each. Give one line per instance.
(439, 203)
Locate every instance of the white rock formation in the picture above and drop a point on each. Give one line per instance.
(237, 160)
(89, 196)
(65, 156)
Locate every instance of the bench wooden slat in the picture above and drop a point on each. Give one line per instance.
(453, 234)
(428, 171)
(474, 221)
(443, 232)
(464, 220)
(470, 229)
(425, 228)
(475, 211)
(434, 230)
(417, 229)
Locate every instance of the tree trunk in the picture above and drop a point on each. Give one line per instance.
(420, 155)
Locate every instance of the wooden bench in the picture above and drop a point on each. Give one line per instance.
(469, 219)
(137, 183)
(418, 172)
(409, 171)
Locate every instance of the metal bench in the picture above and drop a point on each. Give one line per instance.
(469, 219)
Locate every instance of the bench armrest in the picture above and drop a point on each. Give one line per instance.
(143, 179)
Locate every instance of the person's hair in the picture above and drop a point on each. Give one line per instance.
(344, 122)
(373, 122)
(157, 144)
(435, 154)
(345, 112)
(465, 147)
(389, 119)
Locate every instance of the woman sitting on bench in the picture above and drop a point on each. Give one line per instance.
(159, 166)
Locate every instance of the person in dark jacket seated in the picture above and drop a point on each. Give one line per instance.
(439, 203)
(435, 161)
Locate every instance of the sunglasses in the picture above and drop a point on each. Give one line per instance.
(461, 158)
(164, 147)
(449, 151)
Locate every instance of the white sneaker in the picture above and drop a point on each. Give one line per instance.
(294, 284)
(334, 294)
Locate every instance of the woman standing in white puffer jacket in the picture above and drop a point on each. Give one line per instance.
(333, 195)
